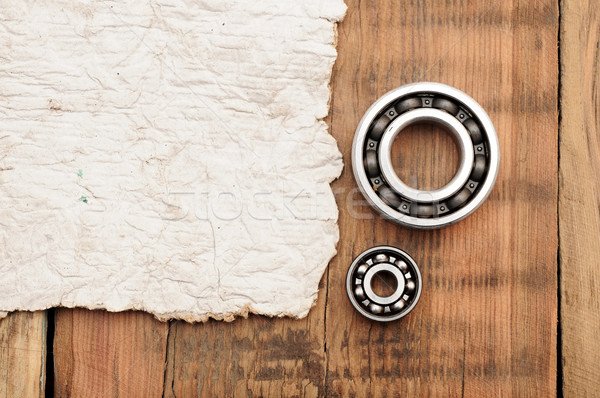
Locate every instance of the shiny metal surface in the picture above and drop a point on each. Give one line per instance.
(454, 111)
(400, 282)
(447, 122)
(359, 283)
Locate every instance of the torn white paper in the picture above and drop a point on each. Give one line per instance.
(166, 156)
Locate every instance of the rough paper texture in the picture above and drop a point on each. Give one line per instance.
(166, 156)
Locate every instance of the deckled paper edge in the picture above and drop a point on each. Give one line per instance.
(245, 311)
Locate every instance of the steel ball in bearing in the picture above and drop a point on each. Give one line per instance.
(370, 264)
(437, 104)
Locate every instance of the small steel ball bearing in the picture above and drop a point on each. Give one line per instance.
(448, 108)
(359, 283)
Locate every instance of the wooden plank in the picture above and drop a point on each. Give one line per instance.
(486, 323)
(580, 197)
(487, 320)
(102, 354)
(257, 356)
(23, 354)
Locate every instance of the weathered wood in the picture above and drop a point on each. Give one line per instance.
(580, 197)
(486, 323)
(102, 354)
(258, 357)
(23, 354)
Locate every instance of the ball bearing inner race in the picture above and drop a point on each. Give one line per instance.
(368, 283)
(443, 120)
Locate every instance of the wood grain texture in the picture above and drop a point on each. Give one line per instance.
(435, 147)
(102, 354)
(258, 356)
(23, 354)
(580, 197)
(486, 322)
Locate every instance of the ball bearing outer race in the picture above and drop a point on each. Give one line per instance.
(366, 265)
(479, 189)
(444, 120)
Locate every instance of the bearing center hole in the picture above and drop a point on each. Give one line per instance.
(425, 156)
(384, 283)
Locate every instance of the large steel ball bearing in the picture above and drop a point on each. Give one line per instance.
(455, 112)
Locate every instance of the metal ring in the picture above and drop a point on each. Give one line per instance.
(384, 259)
(400, 283)
(434, 103)
(444, 120)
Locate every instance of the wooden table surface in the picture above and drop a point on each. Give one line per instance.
(511, 303)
